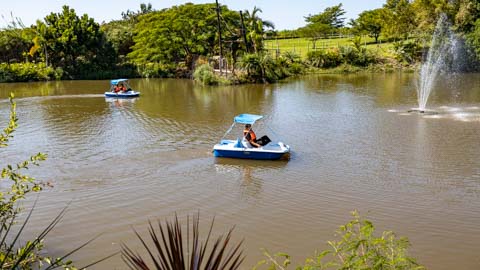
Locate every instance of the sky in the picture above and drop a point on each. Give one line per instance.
(285, 14)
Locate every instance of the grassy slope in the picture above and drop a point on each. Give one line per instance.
(301, 45)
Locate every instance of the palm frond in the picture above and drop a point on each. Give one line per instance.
(172, 252)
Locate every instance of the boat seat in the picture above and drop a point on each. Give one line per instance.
(239, 143)
(246, 144)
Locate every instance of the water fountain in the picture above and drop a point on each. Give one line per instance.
(439, 60)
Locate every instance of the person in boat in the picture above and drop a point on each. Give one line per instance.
(122, 88)
(251, 137)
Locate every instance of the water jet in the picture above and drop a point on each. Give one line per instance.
(439, 59)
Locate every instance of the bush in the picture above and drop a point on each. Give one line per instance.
(357, 56)
(261, 67)
(324, 58)
(358, 248)
(156, 70)
(205, 75)
(27, 72)
(407, 51)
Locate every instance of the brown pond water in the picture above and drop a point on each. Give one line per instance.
(122, 162)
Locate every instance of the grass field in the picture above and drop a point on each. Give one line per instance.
(302, 46)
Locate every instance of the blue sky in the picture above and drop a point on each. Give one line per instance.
(286, 14)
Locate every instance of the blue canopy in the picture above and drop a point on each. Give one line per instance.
(117, 81)
(246, 118)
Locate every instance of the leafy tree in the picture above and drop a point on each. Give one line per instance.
(133, 16)
(331, 16)
(467, 15)
(427, 13)
(320, 25)
(474, 38)
(16, 41)
(175, 34)
(371, 22)
(315, 31)
(120, 35)
(74, 43)
(399, 18)
(14, 45)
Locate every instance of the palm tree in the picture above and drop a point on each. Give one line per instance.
(256, 28)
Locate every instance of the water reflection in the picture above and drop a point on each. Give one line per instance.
(248, 172)
(355, 147)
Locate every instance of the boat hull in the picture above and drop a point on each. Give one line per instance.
(249, 154)
(129, 94)
(234, 149)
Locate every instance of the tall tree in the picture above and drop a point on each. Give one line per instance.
(175, 34)
(322, 24)
(467, 21)
(74, 43)
(370, 22)
(256, 28)
(399, 18)
(331, 16)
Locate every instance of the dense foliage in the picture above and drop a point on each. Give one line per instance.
(167, 42)
(74, 44)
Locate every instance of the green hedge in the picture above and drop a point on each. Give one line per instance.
(27, 72)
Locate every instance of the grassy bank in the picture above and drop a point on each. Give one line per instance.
(302, 46)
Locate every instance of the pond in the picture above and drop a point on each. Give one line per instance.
(120, 163)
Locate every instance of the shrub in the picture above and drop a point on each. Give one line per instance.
(156, 70)
(261, 67)
(205, 75)
(407, 51)
(26, 72)
(358, 248)
(324, 58)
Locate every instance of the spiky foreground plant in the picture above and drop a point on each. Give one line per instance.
(170, 252)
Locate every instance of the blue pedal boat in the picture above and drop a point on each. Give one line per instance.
(120, 88)
(241, 148)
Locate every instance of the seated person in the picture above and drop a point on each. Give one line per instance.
(250, 136)
(116, 89)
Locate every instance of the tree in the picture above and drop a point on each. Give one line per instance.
(371, 22)
(331, 16)
(320, 25)
(174, 34)
(120, 33)
(74, 43)
(399, 18)
(427, 13)
(14, 45)
(133, 16)
(182, 33)
(467, 21)
(315, 31)
(256, 28)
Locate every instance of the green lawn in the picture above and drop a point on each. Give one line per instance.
(302, 46)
